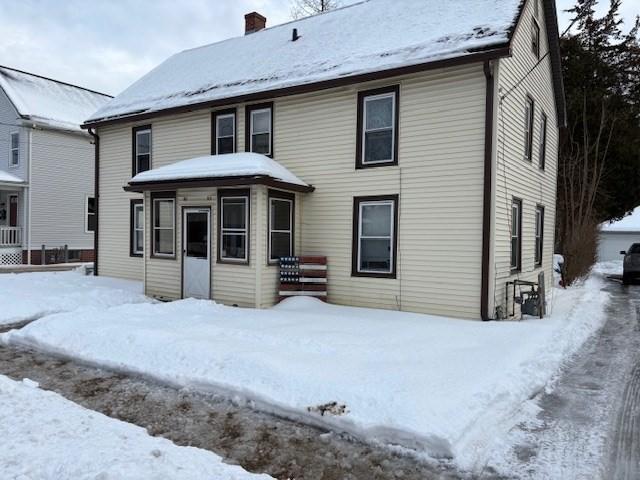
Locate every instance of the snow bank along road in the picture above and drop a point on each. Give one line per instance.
(440, 387)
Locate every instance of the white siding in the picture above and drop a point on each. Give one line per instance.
(62, 178)
(516, 177)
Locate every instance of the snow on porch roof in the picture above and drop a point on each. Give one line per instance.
(242, 168)
(630, 223)
(369, 36)
(49, 102)
(8, 178)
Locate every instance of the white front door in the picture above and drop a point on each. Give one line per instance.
(196, 253)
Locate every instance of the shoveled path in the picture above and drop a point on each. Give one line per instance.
(588, 425)
(258, 442)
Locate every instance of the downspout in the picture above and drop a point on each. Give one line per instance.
(96, 195)
(487, 200)
(30, 137)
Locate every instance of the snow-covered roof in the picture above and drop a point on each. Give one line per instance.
(8, 178)
(630, 223)
(230, 165)
(49, 102)
(370, 36)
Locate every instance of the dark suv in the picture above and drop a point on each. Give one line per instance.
(631, 265)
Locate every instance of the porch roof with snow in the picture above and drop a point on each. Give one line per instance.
(47, 102)
(360, 42)
(231, 169)
(8, 180)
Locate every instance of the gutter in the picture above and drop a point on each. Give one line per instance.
(487, 199)
(96, 195)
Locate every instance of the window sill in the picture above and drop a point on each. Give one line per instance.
(515, 271)
(138, 255)
(222, 261)
(163, 257)
(391, 276)
(361, 166)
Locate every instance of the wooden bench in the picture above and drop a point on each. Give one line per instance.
(303, 276)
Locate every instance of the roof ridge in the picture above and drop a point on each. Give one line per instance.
(274, 26)
(56, 81)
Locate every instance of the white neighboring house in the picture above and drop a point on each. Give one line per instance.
(46, 168)
(618, 236)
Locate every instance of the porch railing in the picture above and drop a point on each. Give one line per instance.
(10, 236)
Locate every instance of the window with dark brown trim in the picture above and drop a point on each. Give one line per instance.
(535, 38)
(259, 129)
(516, 235)
(543, 141)
(234, 208)
(141, 149)
(377, 129)
(223, 133)
(163, 225)
(528, 128)
(539, 234)
(375, 238)
(136, 228)
(281, 225)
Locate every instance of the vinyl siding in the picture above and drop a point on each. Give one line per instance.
(8, 123)
(62, 178)
(516, 177)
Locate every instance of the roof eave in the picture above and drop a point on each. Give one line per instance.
(479, 56)
(204, 182)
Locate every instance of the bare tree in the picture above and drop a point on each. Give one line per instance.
(306, 8)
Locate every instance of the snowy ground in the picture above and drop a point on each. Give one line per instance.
(440, 386)
(26, 296)
(48, 437)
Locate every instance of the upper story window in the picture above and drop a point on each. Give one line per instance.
(224, 132)
(259, 129)
(528, 128)
(378, 112)
(141, 149)
(14, 149)
(233, 211)
(90, 215)
(375, 236)
(535, 37)
(281, 208)
(543, 141)
(164, 224)
(516, 234)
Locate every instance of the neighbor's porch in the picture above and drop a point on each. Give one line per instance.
(11, 224)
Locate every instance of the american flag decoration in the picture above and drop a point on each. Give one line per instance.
(303, 276)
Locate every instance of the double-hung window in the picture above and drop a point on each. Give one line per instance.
(233, 212)
(535, 38)
(375, 236)
(516, 234)
(90, 215)
(141, 161)
(281, 214)
(377, 127)
(528, 128)
(224, 132)
(539, 234)
(543, 141)
(136, 245)
(259, 127)
(14, 149)
(164, 224)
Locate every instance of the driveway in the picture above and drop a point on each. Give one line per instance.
(588, 426)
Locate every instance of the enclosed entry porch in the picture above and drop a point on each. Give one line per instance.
(217, 237)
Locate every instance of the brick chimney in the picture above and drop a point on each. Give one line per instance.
(254, 22)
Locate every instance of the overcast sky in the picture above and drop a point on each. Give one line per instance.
(107, 44)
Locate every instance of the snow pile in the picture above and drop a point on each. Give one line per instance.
(369, 36)
(630, 223)
(440, 386)
(49, 102)
(49, 437)
(612, 267)
(241, 164)
(8, 178)
(26, 296)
